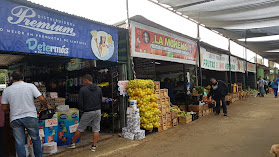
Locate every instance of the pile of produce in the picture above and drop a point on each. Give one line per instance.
(179, 112)
(143, 92)
(199, 89)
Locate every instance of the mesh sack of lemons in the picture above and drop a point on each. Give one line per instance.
(143, 92)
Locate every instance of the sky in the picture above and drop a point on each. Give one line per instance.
(113, 11)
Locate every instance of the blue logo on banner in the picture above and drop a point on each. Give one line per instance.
(30, 30)
(74, 115)
(63, 116)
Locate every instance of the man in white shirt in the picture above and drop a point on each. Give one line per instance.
(19, 98)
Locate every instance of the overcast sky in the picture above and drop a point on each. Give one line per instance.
(113, 11)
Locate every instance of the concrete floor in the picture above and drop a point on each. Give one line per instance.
(251, 128)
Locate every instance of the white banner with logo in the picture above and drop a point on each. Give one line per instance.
(220, 62)
(251, 67)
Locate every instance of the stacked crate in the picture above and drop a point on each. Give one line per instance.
(202, 110)
(165, 118)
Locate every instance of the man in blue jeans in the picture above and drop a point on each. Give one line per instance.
(261, 83)
(19, 98)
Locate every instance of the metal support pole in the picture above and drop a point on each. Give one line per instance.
(128, 39)
(184, 77)
(230, 70)
(256, 75)
(246, 69)
(199, 53)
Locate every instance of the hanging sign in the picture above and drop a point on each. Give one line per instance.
(241, 67)
(220, 62)
(30, 30)
(122, 87)
(152, 43)
(211, 61)
(251, 67)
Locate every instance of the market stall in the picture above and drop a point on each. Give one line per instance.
(163, 55)
(54, 50)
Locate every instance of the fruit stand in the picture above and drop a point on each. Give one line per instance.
(143, 92)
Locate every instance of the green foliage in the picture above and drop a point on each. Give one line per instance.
(199, 89)
(3, 73)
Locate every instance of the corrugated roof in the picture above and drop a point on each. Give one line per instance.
(237, 19)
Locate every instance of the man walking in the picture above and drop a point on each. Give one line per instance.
(218, 91)
(90, 99)
(274, 86)
(19, 98)
(261, 83)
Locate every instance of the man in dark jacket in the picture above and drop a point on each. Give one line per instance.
(218, 91)
(90, 99)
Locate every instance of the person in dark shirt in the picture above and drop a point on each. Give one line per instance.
(218, 91)
(53, 87)
(90, 99)
(168, 84)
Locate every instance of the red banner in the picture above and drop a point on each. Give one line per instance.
(157, 44)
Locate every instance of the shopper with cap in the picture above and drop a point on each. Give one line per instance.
(218, 91)
(90, 99)
(19, 99)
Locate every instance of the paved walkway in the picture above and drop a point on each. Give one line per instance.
(251, 128)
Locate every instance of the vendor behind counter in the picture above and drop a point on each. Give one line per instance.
(53, 86)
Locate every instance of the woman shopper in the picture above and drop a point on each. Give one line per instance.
(274, 86)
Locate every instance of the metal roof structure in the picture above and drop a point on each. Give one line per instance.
(253, 24)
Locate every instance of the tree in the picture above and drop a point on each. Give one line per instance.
(3, 73)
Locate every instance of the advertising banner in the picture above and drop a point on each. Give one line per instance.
(220, 62)
(30, 30)
(241, 66)
(211, 61)
(251, 67)
(152, 43)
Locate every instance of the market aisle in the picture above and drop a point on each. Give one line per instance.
(249, 131)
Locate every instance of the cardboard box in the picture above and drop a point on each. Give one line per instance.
(162, 93)
(159, 102)
(174, 115)
(166, 92)
(163, 109)
(160, 128)
(228, 97)
(50, 129)
(200, 113)
(204, 112)
(157, 92)
(53, 102)
(185, 120)
(67, 120)
(196, 108)
(167, 108)
(205, 106)
(156, 85)
(162, 118)
(207, 112)
(165, 126)
(52, 94)
(167, 100)
(169, 124)
(162, 101)
(183, 108)
(175, 122)
(168, 116)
